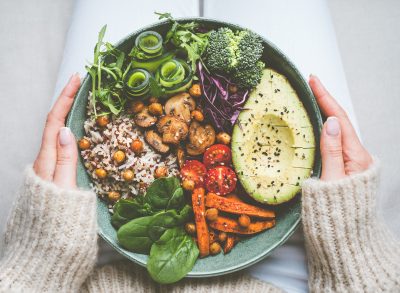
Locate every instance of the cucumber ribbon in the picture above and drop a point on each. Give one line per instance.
(174, 76)
(137, 82)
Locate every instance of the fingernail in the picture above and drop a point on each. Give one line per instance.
(73, 76)
(332, 126)
(65, 136)
(311, 75)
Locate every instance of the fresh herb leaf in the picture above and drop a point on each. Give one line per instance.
(159, 192)
(155, 89)
(106, 73)
(139, 234)
(183, 35)
(172, 256)
(128, 209)
(133, 235)
(168, 219)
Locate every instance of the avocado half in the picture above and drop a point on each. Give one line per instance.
(273, 143)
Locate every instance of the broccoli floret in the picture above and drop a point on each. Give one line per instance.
(250, 77)
(235, 54)
(221, 50)
(249, 49)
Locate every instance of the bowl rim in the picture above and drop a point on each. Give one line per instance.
(318, 122)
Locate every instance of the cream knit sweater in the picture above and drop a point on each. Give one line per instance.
(51, 244)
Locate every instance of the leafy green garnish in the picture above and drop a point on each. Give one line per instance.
(107, 74)
(183, 35)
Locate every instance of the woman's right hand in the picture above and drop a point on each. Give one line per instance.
(58, 154)
(341, 150)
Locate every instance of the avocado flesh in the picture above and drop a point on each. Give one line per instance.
(273, 143)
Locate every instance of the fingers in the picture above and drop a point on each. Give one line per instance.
(46, 160)
(67, 156)
(331, 151)
(326, 102)
(330, 107)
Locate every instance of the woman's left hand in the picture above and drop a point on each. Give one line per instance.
(58, 154)
(341, 150)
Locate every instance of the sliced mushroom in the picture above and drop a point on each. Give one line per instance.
(172, 129)
(180, 106)
(144, 118)
(181, 156)
(155, 140)
(200, 138)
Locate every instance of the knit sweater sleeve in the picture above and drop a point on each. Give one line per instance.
(348, 247)
(125, 276)
(50, 240)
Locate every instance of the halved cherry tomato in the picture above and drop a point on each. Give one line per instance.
(195, 171)
(221, 180)
(217, 154)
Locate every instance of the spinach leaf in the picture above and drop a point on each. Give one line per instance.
(160, 192)
(133, 235)
(139, 234)
(177, 200)
(172, 256)
(168, 219)
(128, 209)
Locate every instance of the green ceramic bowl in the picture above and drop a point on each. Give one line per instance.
(248, 251)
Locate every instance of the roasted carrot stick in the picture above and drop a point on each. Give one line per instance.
(235, 206)
(232, 226)
(203, 237)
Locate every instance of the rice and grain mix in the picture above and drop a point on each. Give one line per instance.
(118, 135)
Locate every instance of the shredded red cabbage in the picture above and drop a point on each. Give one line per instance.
(219, 106)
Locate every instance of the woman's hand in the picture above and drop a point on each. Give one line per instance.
(341, 150)
(58, 154)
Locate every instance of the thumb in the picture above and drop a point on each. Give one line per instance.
(67, 156)
(331, 151)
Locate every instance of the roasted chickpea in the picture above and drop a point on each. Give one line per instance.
(137, 146)
(215, 248)
(128, 175)
(84, 144)
(119, 157)
(188, 184)
(153, 100)
(197, 115)
(113, 196)
(223, 138)
(136, 107)
(244, 221)
(195, 91)
(190, 228)
(102, 121)
(100, 173)
(232, 89)
(160, 171)
(211, 214)
(156, 109)
(222, 237)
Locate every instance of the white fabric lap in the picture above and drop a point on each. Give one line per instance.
(301, 29)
